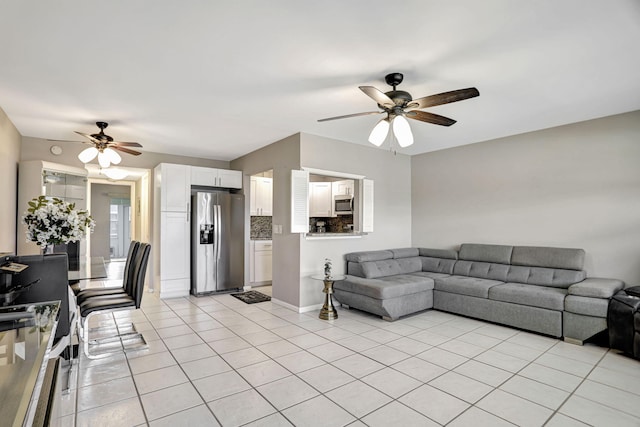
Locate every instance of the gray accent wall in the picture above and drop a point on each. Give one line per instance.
(391, 174)
(575, 186)
(9, 158)
(282, 157)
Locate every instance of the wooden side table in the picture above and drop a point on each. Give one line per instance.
(328, 311)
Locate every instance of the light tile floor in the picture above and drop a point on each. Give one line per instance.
(217, 361)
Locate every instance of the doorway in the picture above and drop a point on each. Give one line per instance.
(261, 229)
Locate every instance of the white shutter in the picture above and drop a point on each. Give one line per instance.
(367, 205)
(299, 201)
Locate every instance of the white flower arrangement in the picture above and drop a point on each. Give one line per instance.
(54, 221)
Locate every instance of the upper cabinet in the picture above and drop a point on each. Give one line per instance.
(175, 187)
(261, 196)
(320, 199)
(343, 188)
(210, 177)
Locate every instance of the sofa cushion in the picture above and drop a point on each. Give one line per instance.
(538, 256)
(390, 267)
(438, 253)
(430, 274)
(483, 270)
(386, 287)
(596, 287)
(437, 265)
(596, 307)
(541, 276)
(471, 286)
(404, 252)
(535, 296)
(485, 253)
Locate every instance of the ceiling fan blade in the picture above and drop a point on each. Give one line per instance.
(443, 98)
(378, 96)
(86, 135)
(66, 140)
(351, 115)
(127, 144)
(436, 119)
(126, 150)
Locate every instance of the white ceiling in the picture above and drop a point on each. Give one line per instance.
(221, 79)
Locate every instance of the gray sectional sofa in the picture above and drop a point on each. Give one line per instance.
(539, 289)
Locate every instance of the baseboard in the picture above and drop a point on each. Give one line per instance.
(297, 309)
(174, 294)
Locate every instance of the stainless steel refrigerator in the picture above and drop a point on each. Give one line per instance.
(217, 241)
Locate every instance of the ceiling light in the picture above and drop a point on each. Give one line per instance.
(379, 132)
(114, 173)
(112, 155)
(103, 160)
(88, 154)
(402, 131)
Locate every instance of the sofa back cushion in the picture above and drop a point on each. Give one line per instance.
(404, 252)
(387, 267)
(537, 256)
(482, 270)
(500, 254)
(368, 256)
(541, 276)
(437, 265)
(438, 253)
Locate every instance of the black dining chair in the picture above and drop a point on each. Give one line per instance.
(127, 278)
(112, 303)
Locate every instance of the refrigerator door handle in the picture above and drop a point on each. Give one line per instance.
(219, 232)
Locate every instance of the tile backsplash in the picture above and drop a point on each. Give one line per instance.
(333, 225)
(261, 227)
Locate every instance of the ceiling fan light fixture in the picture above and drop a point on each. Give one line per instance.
(114, 173)
(103, 160)
(402, 131)
(379, 132)
(88, 154)
(113, 156)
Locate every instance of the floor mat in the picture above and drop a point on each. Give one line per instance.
(252, 297)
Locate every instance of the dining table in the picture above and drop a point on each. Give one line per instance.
(89, 268)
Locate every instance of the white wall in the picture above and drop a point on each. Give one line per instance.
(9, 157)
(571, 186)
(392, 206)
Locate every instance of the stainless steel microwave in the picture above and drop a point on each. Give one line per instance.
(343, 205)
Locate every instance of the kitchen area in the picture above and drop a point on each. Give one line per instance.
(260, 244)
(331, 205)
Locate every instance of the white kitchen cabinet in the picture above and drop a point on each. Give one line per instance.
(172, 231)
(320, 199)
(175, 187)
(343, 188)
(211, 177)
(262, 261)
(261, 200)
(176, 249)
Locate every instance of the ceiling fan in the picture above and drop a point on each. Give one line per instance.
(399, 105)
(104, 147)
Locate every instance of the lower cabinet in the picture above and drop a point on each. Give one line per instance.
(175, 255)
(260, 261)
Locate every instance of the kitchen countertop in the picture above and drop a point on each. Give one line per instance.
(260, 238)
(329, 235)
(27, 342)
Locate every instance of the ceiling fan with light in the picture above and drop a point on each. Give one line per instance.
(399, 105)
(103, 146)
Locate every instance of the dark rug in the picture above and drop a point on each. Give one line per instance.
(252, 297)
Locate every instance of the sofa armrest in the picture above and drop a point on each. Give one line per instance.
(596, 287)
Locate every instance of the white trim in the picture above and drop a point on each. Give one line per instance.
(284, 304)
(332, 173)
(331, 237)
(310, 308)
(296, 309)
(173, 294)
